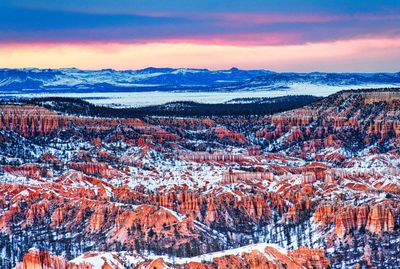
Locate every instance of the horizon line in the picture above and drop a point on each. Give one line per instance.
(204, 69)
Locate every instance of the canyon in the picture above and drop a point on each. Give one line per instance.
(313, 187)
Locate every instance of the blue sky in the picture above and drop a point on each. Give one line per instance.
(206, 23)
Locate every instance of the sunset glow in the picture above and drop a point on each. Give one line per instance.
(357, 37)
(341, 55)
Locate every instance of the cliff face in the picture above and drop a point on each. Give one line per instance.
(29, 120)
(30, 170)
(365, 118)
(36, 121)
(223, 133)
(380, 219)
(96, 169)
(376, 219)
(36, 259)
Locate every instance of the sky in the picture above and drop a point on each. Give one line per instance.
(285, 35)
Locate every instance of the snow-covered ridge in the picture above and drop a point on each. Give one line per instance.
(53, 79)
(167, 79)
(97, 260)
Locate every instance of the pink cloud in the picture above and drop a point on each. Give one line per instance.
(364, 54)
(267, 39)
(241, 39)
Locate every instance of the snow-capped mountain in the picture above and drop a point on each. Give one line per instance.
(167, 79)
(108, 79)
(331, 79)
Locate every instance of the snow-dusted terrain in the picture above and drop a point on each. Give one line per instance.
(311, 187)
(141, 99)
(154, 86)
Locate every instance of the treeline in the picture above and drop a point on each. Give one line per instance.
(258, 107)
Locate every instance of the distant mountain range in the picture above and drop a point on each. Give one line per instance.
(32, 80)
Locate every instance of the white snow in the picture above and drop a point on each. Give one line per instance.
(139, 99)
(97, 260)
